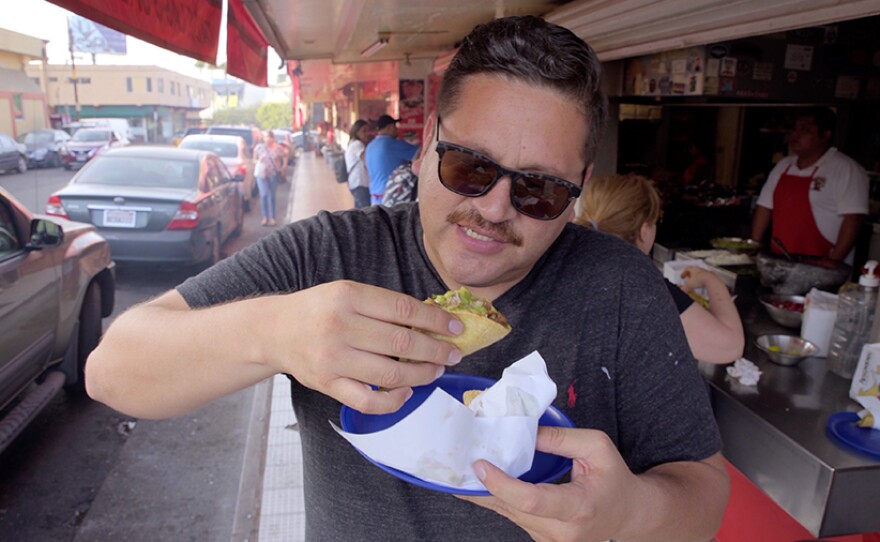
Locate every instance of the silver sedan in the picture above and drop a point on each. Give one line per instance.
(156, 204)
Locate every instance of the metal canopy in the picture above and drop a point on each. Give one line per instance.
(341, 30)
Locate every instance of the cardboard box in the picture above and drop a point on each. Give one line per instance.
(866, 379)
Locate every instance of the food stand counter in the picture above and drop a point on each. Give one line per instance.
(775, 435)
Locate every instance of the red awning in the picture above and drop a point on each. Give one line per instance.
(188, 27)
(246, 47)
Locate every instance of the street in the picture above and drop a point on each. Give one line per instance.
(70, 474)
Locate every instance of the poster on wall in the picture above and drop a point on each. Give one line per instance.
(680, 72)
(412, 109)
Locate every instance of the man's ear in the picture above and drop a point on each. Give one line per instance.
(571, 212)
(588, 174)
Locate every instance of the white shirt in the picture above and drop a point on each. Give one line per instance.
(842, 189)
(357, 174)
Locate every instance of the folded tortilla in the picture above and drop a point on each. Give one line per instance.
(483, 323)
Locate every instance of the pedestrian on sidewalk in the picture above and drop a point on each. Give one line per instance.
(358, 179)
(334, 301)
(268, 156)
(384, 153)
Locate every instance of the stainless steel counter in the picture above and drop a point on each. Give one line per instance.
(775, 434)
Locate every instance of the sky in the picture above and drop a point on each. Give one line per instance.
(47, 21)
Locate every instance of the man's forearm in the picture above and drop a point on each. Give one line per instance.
(682, 501)
(846, 237)
(760, 222)
(160, 360)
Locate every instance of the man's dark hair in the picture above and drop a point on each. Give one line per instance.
(824, 118)
(536, 52)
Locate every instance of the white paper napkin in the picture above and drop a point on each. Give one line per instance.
(744, 371)
(440, 440)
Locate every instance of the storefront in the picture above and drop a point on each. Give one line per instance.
(708, 123)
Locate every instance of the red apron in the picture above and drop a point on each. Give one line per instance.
(793, 220)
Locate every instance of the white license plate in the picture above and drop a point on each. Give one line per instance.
(119, 218)
(81, 158)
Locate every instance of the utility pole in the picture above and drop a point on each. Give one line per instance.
(75, 77)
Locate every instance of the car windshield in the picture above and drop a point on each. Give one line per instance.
(35, 138)
(91, 135)
(141, 171)
(220, 148)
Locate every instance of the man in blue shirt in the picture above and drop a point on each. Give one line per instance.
(385, 153)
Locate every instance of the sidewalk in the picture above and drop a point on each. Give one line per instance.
(282, 518)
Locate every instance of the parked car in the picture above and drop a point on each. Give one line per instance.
(57, 282)
(120, 127)
(300, 144)
(12, 155)
(180, 134)
(250, 134)
(87, 143)
(44, 147)
(156, 203)
(232, 150)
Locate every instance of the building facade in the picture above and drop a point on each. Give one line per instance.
(155, 101)
(22, 102)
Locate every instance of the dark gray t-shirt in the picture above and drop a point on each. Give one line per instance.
(593, 306)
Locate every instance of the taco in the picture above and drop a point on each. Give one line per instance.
(470, 395)
(483, 324)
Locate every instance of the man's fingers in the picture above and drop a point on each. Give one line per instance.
(520, 500)
(362, 398)
(397, 341)
(390, 373)
(571, 442)
(388, 306)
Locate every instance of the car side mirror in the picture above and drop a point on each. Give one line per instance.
(45, 233)
(238, 178)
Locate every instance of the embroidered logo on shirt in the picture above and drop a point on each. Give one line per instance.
(818, 183)
(572, 395)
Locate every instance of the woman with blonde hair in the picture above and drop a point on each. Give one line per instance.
(628, 206)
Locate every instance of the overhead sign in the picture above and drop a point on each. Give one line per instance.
(90, 37)
(188, 27)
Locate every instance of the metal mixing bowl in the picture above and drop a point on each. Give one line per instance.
(781, 316)
(798, 277)
(737, 245)
(786, 350)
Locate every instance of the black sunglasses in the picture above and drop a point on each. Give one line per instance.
(469, 173)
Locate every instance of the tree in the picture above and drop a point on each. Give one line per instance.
(274, 115)
(235, 116)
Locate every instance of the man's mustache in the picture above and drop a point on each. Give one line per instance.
(500, 230)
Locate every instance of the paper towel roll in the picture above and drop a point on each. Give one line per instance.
(820, 312)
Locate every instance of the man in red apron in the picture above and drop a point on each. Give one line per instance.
(816, 197)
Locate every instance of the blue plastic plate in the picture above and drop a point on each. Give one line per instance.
(545, 467)
(842, 426)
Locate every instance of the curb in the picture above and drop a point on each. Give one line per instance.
(246, 521)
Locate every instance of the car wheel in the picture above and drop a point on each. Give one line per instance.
(22, 164)
(246, 204)
(90, 331)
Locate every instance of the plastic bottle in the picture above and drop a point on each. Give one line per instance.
(855, 316)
